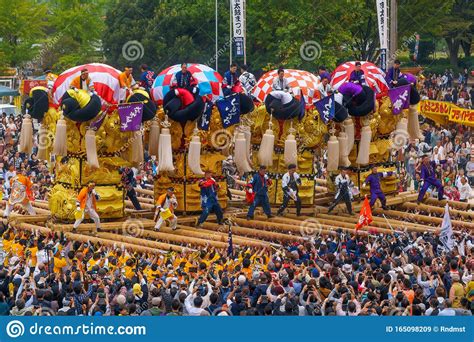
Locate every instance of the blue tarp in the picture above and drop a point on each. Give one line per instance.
(5, 91)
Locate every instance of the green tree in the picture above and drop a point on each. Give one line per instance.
(74, 33)
(23, 27)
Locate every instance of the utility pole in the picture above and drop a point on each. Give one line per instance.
(217, 40)
(393, 46)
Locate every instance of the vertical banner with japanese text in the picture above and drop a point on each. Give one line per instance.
(382, 19)
(238, 14)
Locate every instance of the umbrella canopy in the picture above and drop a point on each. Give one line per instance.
(299, 80)
(5, 91)
(105, 79)
(374, 76)
(209, 81)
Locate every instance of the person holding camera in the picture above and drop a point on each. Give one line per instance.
(87, 203)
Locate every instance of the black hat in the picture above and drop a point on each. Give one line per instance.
(170, 189)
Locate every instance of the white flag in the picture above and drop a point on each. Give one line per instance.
(446, 234)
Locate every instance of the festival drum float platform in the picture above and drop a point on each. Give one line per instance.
(81, 135)
(195, 136)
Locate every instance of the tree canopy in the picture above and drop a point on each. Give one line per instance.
(300, 34)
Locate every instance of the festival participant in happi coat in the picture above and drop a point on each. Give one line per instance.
(247, 79)
(324, 88)
(231, 83)
(343, 184)
(20, 193)
(165, 206)
(393, 74)
(184, 79)
(209, 201)
(281, 83)
(147, 77)
(357, 75)
(290, 183)
(127, 83)
(258, 187)
(83, 81)
(373, 180)
(86, 203)
(129, 182)
(428, 175)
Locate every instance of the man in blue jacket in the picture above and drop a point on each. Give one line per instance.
(209, 202)
(259, 187)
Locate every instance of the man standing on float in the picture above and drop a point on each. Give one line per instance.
(209, 202)
(258, 186)
(20, 192)
(375, 189)
(428, 176)
(343, 184)
(290, 183)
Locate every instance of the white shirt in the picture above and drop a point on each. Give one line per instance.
(324, 90)
(283, 96)
(286, 179)
(464, 191)
(280, 84)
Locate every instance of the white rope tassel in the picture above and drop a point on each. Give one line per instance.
(26, 135)
(137, 147)
(248, 139)
(265, 153)
(154, 138)
(413, 123)
(60, 139)
(333, 153)
(343, 151)
(194, 154)
(290, 155)
(349, 129)
(91, 149)
(240, 154)
(364, 145)
(43, 143)
(165, 150)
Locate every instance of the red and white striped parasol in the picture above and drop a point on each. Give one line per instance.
(104, 77)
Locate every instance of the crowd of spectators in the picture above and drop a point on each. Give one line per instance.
(452, 150)
(340, 274)
(445, 87)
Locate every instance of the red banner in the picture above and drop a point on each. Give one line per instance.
(27, 85)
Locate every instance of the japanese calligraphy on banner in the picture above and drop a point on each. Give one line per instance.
(382, 19)
(444, 112)
(130, 116)
(238, 15)
(400, 97)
